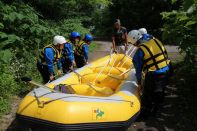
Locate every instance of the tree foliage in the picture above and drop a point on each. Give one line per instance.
(134, 14)
(180, 28)
(26, 26)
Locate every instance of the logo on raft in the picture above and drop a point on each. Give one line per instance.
(98, 114)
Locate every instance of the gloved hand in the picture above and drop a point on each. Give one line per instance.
(59, 72)
(115, 51)
(73, 63)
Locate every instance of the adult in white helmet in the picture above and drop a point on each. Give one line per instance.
(145, 35)
(152, 59)
(134, 37)
(49, 56)
(143, 31)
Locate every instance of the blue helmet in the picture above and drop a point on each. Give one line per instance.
(88, 37)
(74, 34)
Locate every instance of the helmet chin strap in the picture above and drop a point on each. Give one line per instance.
(135, 44)
(57, 46)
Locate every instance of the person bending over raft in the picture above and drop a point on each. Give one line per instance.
(152, 59)
(49, 56)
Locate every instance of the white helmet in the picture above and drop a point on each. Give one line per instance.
(143, 31)
(58, 40)
(134, 36)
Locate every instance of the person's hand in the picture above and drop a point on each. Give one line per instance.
(126, 47)
(73, 63)
(114, 50)
(86, 62)
(51, 77)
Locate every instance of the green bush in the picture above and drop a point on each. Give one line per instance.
(180, 28)
(5, 105)
(69, 25)
(23, 31)
(8, 85)
(134, 14)
(92, 46)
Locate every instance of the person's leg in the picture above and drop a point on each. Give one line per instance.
(39, 67)
(161, 81)
(157, 101)
(81, 62)
(146, 100)
(46, 74)
(43, 69)
(77, 60)
(63, 65)
(67, 65)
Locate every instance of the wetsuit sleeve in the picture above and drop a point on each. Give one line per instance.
(49, 58)
(138, 63)
(85, 51)
(71, 53)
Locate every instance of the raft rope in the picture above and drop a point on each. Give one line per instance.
(129, 56)
(112, 66)
(107, 63)
(125, 55)
(43, 86)
(49, 101)
(117, 77)
(42, 103)
(125, 72)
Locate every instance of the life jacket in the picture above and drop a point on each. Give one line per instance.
(155, 55)
(78, 48)
(57, 53)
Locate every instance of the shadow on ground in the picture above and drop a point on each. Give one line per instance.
(179, 109)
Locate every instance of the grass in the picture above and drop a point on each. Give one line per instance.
(5, 106)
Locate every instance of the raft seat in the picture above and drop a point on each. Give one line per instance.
(102, 80)
(109, 70)
(88, 90)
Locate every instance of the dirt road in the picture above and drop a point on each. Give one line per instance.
(168, 119)
(104, 49)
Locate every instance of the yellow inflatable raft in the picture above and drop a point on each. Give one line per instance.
(100, 95)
